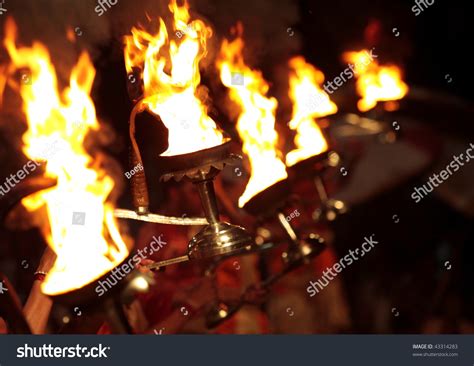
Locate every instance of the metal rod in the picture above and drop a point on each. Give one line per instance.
(288, 228)
(138, 181)
(167, 262)
(208, 200)
(210, 273)
(159, 219)
(321, 188)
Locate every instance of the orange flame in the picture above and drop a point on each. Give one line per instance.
(375, 82)
(57, 126)
(3, 81)
(256, 122)
(170, 87)
(309, 102)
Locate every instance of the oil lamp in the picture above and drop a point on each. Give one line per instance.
(217, 240)
(267, 204)
(86, 297)
(314, 168)
(270, 203)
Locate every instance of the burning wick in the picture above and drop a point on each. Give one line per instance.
(165, 92)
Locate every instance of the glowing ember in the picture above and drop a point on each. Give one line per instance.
(80, 228)
(171, 78)
(375, 82)
(256, 122)
(309, 102)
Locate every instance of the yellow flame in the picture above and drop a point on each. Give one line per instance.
(375, 82)
(171, 77)
(57, 126)
(309, 102)
(256, 122)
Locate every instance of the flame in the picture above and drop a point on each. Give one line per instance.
(375, 82)
(57, 127)
(256, 122)
(309, 102)
(3, 81)
(171, 78)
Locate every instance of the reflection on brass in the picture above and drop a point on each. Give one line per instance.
(159, 219)
(167, 262)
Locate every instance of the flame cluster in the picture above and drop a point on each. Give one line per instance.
(256, 121)
(168, 59)
(80, 226)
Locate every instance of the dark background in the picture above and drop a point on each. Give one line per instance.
(408, 272)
